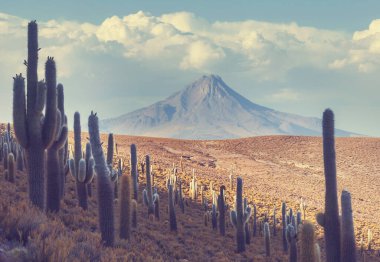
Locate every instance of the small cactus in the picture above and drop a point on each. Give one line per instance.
(222, 211)
(172, 216)
(307, 243)
(156, 202)
(134, 172)
(291, 237)
(267, 239)
(147, 193)
(239, 217)
(11, 168)
(125, 207)
(284, 225)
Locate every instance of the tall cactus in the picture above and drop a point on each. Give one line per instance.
(34, 132)
(134, 172)
(284, 225)
(104, 186)
(348, 247)
(55, 165)
(222, 211)
(172, 216)
(82, 176)
(330, 219)
(240, 217)
(147, 193)
(125, 207)
(63, 151)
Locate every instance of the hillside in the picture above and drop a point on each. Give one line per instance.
(209, 109)
(273, 168)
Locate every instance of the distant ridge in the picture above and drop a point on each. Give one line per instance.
(209, 109)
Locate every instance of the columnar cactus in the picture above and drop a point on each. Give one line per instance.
(307, 243)
(172, 216)
(222, 211)
(147, 193)
(254, 227)
(214, 217)
(34, 132)
(82, 176)
(125, 207)
(348, 247)
(240, 217)
(11, 168)
(274, 222)
(246, 226)
(156, 202)
(193, 187)
(134, 213)
(284, 225)
(181, 200)
(267, 239)
(55, 161)
(104, 186)
(5, 156)
(330, 219)
(134, 172)
(291, 237)
(20, 160)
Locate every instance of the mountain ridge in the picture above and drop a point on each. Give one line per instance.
(209, 109)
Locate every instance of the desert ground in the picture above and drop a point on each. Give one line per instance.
(274, 169)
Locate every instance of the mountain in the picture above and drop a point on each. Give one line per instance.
(209, 109)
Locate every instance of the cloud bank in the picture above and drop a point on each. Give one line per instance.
(127, 62)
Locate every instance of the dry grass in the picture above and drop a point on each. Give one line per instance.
(274, 169)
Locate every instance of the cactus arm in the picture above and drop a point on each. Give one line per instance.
(50, 121)
(72, 168)
(19, 111)
(31, 75)
(41, 97)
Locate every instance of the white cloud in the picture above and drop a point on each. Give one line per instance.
(285, 95)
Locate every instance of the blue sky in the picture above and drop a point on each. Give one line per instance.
(294, 56)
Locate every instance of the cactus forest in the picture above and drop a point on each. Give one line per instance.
(75, 193)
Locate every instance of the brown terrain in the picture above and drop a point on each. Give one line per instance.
(273, 168)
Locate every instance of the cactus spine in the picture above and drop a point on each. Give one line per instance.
(34, 132)
(222, 211)
(172, 217)
(330, 219)
(125, 207)
(104, 187)
(134, 172)
(267, 239)
(348, 247)
(240, 217)
(147, 193)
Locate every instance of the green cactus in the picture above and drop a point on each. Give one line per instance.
(11, 168)
(284, 225)
(104, 186)
(240, 217)
(330, 219)
(54, 163)
(348, 246)
(172, 216)
(34, 132)
(222, 211)
(307, 243)
(125, 207)
(291, 237)
(81, 179)
(267, 239)
(147, 193)
(134, 213)
(134, 171)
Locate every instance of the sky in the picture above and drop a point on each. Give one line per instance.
(117, 56)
